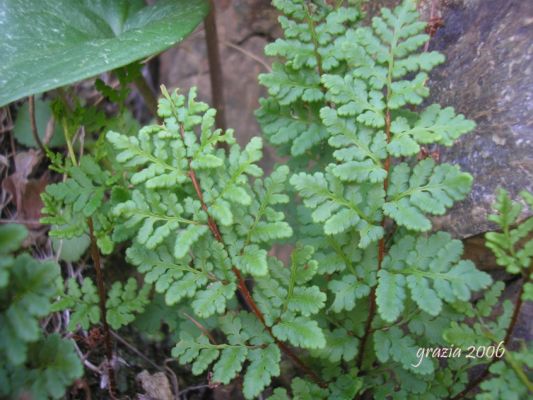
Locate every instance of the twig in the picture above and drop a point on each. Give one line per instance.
(50, 128)
(147, 94)
(247, 53)
(95, 254)
(18, 221)
(86, 362)
(11, 137)
(215, 67)
(34, 131)
(193, 388)
(432, 24)
(173, 378)
(135, 350)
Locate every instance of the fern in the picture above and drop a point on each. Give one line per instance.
(368, 201)
(512, 248)
(123, 302)
(194, 238)
(432, 271)
(367, 282)
(68, 204)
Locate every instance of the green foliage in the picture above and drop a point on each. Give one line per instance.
(69, 204)
(246, 341)
(123, 302)
(366, 284)
(429, 188)
(84, 302)
(505, 382)
(430, 267)
(513, 247)
(107, 35)
(181, 200)
(345, 103)
(340, 208)
(508, 370)
(22, 129)
(33, 364)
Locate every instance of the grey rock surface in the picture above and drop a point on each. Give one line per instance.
(488, 77)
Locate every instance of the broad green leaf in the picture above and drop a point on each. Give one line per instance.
(52, 43)
(11, 237)
(71, 249)
(22, 129)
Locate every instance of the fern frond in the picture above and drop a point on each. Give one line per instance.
(430, 188)
(432, 271)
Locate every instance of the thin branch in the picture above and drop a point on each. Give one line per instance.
(173, 378)
(33, 122)
(95, 254)
(192, 389)
(135, 350)
(86, 362)
(147, 94)
(248, 53)
(215, 66)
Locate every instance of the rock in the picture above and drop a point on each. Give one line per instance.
(156, 386)
(488, 77)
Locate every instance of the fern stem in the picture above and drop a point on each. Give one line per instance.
(518, 371)
(314, 39)
(518, 306)
(95, 255)
(202, 328)
(70, 148)
(381, 255)
(241, 284)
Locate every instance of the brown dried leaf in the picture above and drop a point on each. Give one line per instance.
(26, 193)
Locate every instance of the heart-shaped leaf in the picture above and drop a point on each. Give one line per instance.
(51, 43)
